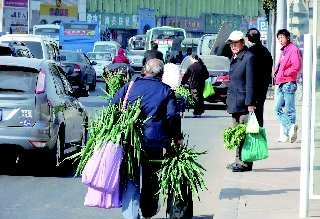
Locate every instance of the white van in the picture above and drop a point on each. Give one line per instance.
(41, 47)
(107, 46)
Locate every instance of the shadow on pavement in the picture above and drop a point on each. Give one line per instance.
(36, 163)
(293, 148)
(232, 193)
(289, 169)
(215, 106)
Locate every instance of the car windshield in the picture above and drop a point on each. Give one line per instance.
(136, 52)
(99, 56)
(50, 32)
(71, 56)
(167, 34)
(17, 81)
(105, 48)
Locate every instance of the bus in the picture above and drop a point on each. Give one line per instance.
(168, 39)
(49, 30)
(79, 36)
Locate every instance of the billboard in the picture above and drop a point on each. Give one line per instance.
(15, 16)
(58, 10)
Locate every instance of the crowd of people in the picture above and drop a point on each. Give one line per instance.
(251, 73)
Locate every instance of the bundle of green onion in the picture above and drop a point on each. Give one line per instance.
(181, 168)
(184, 92)
(116, 126)
(114, 81)
(234, 136)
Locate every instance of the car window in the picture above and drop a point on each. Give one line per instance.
(67, 86)
(57, 80)
(71, 56)
(19, 80)
(86, 59)
(35, 48)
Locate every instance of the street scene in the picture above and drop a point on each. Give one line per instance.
(159, 109)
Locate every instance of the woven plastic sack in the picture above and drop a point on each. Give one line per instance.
(96, 198)
(102, 172)
(255, 146)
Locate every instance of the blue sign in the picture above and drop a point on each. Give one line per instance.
(147, 20)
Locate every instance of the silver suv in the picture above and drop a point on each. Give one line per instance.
(37, 108)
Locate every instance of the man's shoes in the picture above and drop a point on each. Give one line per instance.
(293, 133)
(241, 168)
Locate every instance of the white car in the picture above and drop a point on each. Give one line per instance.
(107, 46)
(102, 59)
(41, 47)
(135, 57)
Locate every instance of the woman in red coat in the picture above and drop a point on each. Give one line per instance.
(120, 58)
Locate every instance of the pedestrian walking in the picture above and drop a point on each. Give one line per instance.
(195, 76)
(153, 53)
(263, 73)
(121, 57)
(158, 104)
(240, 97)
(285, 78)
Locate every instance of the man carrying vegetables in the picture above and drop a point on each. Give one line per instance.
(240, 96)
(158, 105)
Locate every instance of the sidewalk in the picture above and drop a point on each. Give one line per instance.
(271, 190)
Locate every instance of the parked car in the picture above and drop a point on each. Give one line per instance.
(102, 59)
(15, 49)
(79, 70)
(41, 47)
(136, 57)
(218, 67)
(38, 110)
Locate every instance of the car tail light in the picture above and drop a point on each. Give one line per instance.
(223, 78)
(77, 68)
(38, 144)
(41, 82)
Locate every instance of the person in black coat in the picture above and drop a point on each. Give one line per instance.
(240, 96)
(264, 64)
(152, 54)
(195, 77)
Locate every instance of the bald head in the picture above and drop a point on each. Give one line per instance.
(154, 68)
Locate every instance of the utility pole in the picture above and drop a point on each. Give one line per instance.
(281, 22)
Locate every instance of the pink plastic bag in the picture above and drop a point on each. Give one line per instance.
(102, 172)
(96, 198)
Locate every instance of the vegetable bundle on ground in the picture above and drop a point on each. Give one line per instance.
(180, 170)
(118, 127)
(233, 136)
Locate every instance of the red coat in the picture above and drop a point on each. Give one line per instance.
(120, 58)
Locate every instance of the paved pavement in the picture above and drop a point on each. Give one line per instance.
(271, 190)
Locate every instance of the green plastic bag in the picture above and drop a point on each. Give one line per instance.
(208, 89)
(255, 146)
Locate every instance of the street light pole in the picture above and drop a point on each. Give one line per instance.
(29, 16)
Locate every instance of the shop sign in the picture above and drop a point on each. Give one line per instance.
(114, 21)
(187, 23)
(61, 8)
(15, 20)
(16, 3)
(213, 22)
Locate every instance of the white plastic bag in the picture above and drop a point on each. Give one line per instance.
(252, 125)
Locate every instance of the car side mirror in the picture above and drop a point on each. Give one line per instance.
(93, 62)
(62, 58)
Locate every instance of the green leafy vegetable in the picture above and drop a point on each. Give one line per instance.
(233, 136)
